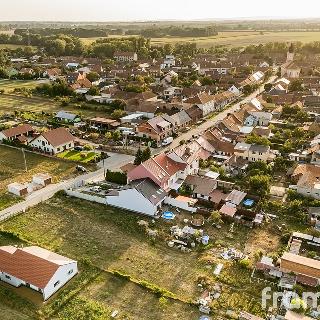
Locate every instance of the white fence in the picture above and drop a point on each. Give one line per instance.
(86, 196)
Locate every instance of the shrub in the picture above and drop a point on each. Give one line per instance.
(116, 177)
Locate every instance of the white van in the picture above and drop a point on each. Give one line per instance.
(167, 141)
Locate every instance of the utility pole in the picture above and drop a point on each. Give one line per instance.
(25, 160)
(104, 169)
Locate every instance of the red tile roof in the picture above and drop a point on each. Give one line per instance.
(27, 266)
(59, 136)
(19, 130)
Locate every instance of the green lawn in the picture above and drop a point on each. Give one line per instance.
(10, 85)
(81, 156)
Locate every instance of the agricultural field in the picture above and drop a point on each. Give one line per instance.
(113, 242)
(12, 169)
(243, 38)
(234, 38)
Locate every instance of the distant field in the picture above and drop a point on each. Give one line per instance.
(243, 38)
(235, 38)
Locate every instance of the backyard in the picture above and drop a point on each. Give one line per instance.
(114, 243)
(12, 169)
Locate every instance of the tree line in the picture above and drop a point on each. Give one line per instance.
(74, 32)
(174, 31)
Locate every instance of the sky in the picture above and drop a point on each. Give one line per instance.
(132, 10)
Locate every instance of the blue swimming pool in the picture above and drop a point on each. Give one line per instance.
(248, 202)
(168, 215)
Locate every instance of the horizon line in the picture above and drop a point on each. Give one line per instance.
(249, 18)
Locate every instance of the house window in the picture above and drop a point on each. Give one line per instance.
(7, 277)
(70, 271)
(56, 283)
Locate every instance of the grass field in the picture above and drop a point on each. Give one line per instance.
(236, 38)
(10, 103)
(81, 156)
(12, 170)
(111, 239)
(9, 85)
(134, 301)
(13, 46)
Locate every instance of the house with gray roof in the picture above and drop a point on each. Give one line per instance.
(141, 196)
(64, 116)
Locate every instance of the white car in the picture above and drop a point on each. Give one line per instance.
(167, 141)
(95, 189)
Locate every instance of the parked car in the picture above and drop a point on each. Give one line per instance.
(167, 141)
(95, 189)
(78, 148)
(81, 168)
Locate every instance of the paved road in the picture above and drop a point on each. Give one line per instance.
(114, 162)
(214, 120)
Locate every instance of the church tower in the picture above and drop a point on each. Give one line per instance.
(290, 53)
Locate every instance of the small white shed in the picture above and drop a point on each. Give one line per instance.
(18, 189)
(42, 178)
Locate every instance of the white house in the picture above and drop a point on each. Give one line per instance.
(204, 101)
(258, 118)
(36, 268)
(234, 90)
(172, 92)
(168, 62)
(125, 56)
(54, 141)
(142, 196)
(11, 134)
(307, 177)
(253, 152)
